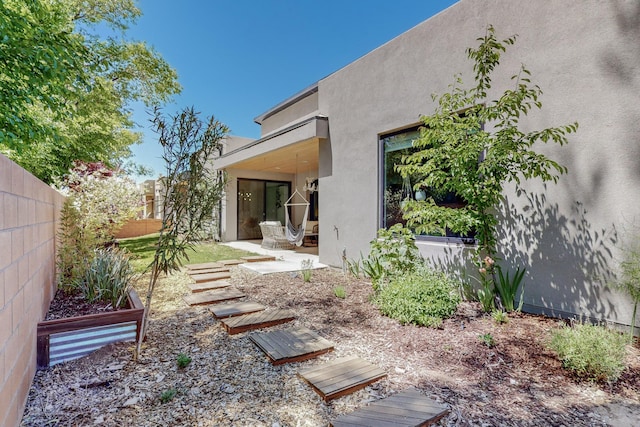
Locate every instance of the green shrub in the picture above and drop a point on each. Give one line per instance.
(500, 316)
(423, 297)
(307, 266)
(340, 292)
(353, 267)
(396, 249)
(629, 281)
(486, 296)
(168, 395)
(183, 360)
(107, 277)
(507, 288)
(393, 252)
(74, 243)
(591, 352)
(374, 270)
(487, 339)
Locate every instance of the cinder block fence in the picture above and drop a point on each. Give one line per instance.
(139, 227)
(29, 215)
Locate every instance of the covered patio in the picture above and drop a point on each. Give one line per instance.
(274, 178)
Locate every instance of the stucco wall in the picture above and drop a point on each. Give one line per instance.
(304, 108)
(584, 54)
(233, 142)
(29, 212)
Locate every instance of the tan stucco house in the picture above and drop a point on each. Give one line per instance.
(585, 56)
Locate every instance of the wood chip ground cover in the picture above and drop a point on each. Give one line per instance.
(231, 383)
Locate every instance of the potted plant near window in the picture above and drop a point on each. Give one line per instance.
(94, 293)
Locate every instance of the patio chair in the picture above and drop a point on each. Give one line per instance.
(311, 234)
(274, 236)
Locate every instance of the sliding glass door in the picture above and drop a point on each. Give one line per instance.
(260, 200)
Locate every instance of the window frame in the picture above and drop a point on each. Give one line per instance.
(382, 187)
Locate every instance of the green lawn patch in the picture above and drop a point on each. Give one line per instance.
(142, 250)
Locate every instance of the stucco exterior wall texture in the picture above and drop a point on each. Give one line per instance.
(29, 213)
(306, 107)
(584, 54)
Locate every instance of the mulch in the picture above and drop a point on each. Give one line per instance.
(519, 381)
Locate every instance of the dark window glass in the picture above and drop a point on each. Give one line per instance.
(396, 189)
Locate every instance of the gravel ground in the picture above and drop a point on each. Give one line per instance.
(230, 382)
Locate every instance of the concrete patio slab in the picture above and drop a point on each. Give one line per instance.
(286, 260)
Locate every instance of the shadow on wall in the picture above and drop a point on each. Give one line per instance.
(621, 61)
(568, 262)
(613, 58)
(458, 263)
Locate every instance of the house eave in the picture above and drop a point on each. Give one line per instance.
(287, 103)
(312, 128)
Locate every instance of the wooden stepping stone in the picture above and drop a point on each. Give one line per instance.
(207, 271)
(210, 277)
(208, 286)
(210, 297)
(203, 266)
(291, 345)
(261, 319)
(229, 262)
(341, 376)
(222, 311)
(409, 408)
(258, 258)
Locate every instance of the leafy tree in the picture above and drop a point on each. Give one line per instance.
(99, 201)
(106, 199)
(191, 190)
(41, 66)
(90, 119)
(473, 146)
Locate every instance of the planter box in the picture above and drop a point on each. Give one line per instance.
(61, 340)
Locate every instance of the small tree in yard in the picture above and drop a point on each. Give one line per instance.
(630, 280)
(457, 154)
(191, 191)
(99, 201)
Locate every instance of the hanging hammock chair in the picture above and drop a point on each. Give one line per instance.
(295, 235)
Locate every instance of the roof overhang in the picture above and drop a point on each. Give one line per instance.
(287, 103)
(289, 150)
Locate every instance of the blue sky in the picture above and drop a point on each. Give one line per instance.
(237, 58)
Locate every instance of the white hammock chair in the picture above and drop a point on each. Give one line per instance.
(296, 235)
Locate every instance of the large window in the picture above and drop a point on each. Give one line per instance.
(396, 189)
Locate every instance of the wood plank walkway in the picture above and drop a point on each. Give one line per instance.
(409, 408)
(203, 265)
(229, 262)
(222, 311)
(291, 345)
(208, 286)
(258, 258)
(258, 320)
(207, 271)
(341, 376)
(210, 297)
(209, 277)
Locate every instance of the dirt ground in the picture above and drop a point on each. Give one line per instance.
(518, 382)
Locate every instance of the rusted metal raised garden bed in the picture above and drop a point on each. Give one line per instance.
(61, 340)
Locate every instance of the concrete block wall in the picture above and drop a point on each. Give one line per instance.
(29, 213)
